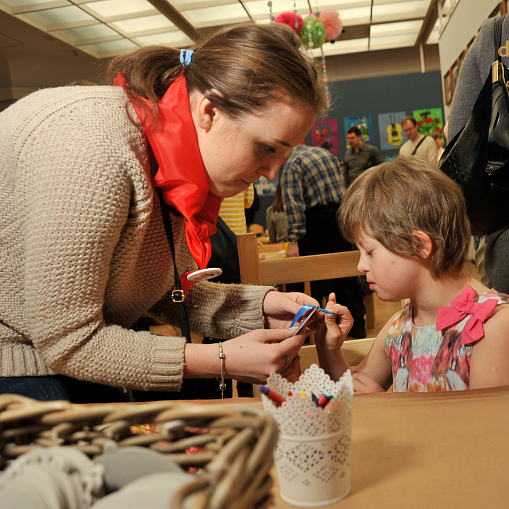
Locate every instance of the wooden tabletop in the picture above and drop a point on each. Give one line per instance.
(431, 450)
(436, 450)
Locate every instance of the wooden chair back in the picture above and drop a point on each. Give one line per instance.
(256, 228)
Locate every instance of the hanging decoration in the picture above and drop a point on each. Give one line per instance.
(269, 3)
(314, 30)
(325, 80)
(292, 19)
(332, 22)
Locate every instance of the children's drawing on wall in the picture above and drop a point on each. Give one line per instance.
(324, 133)
(391, 134)
(429, 121)
(363, 122)
(266, 187)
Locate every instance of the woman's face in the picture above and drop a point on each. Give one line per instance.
(237, 152)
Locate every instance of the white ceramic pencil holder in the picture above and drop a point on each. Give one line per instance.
(313, 453)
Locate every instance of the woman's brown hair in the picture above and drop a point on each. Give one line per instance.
(278, 204)
(391, 201)
(240, 69)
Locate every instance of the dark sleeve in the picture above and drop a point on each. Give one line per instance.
(473, 73)
(376, 157)
(345, 172)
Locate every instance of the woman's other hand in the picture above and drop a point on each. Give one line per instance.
(280, 308)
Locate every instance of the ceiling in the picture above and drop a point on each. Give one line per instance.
(105, 28)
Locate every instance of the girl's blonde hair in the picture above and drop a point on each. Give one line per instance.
(391, 201)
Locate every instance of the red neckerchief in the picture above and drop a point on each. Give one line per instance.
(181, 176)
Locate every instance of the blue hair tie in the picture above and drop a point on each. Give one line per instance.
(185, 56)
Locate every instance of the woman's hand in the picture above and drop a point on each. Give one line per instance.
(280, 308)
(253, 356)
(363, 383)
(334, 329)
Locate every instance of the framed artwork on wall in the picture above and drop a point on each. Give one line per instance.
(391, 133)
(462, 57)
(429, 120)
(448, 87)
(454, 75)
(324, 133)
(363, 122)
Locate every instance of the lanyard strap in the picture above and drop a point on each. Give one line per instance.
(177, 295)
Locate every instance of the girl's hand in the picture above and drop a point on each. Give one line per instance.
(334, 329)
(253, 356)
(363, 383)
(280, 308)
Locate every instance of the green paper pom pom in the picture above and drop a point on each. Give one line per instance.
(318, 32)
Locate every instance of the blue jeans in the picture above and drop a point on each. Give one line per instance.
(50, 388)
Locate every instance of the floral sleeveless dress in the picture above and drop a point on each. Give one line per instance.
(425, 359)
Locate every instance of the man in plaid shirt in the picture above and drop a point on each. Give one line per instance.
(312, 187)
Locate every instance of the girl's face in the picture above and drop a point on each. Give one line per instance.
(393, 277)
(238, 152)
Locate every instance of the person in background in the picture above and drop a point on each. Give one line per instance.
(86, 174)
(232, 210)
(454, 332)
(439, 140)
(251, 211)
(417, 144)
(277, 224)
(473, 74)
(360, 157)
(312, 187)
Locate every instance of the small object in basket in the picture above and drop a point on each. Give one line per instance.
(126, 464)
(314, 399)
(272, 395)
(154, 491)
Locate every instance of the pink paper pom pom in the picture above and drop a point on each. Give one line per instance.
(333, 25)
(291, 19)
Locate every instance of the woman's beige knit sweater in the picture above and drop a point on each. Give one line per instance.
(83, 253)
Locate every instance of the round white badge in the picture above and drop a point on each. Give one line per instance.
(204, 274)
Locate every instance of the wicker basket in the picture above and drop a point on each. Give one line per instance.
(235, 444)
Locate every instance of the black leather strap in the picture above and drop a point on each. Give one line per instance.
(418, 145)
(178, 293)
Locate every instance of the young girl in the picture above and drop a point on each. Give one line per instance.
(409, 222)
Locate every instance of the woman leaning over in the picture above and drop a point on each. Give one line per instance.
(83, 249)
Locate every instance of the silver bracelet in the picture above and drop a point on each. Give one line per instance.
(222, 357)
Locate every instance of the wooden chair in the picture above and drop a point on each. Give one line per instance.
(256, 228)
(254, 271)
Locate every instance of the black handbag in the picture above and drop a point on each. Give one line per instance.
(477, 158)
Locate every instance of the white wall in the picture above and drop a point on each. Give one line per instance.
(463, 24)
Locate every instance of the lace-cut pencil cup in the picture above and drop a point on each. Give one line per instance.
(313, 452)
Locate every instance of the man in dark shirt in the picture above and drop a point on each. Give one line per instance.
(360, 157)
